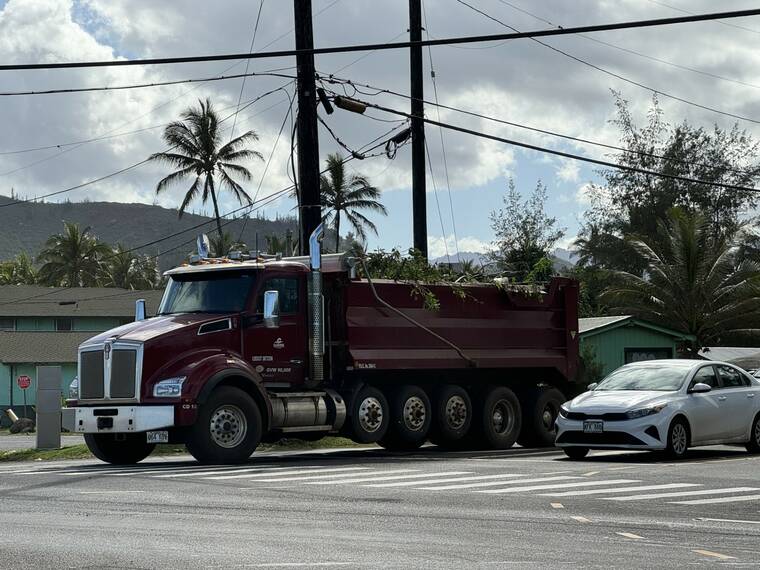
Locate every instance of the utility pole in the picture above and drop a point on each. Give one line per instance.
(307, 139)
(419, 207)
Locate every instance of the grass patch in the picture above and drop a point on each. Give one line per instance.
(81, 452)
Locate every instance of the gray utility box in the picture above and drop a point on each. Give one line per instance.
(49, 407)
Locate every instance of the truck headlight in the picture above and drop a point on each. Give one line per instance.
(74, 389)
(642, 412)
(169, 388)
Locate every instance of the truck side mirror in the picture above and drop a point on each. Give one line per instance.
(271, 309)
(140, 310)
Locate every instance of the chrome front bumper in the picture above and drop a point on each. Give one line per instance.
(126, 419)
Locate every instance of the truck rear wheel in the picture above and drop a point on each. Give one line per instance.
(228, 428)
(368, 417)
(540, 408)
(452, 416)
(499, 420)
(411, 417)
(119, 449)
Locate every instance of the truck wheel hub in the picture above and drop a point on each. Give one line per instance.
(228, 426)
(414, 413)
(456, 412)
(548, 418)
(502, 418)
(370, 414)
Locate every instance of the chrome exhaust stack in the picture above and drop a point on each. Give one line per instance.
(316, 310)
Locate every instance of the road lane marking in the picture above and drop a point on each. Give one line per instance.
(108, 492)
(681, 494)
(208, 472)
(717, 500)
(298, 564)
(581, 519)
(728, 520)
(554, 486)
(381, 476)
(630, 535)
(557, 505)
(590, 473)
(262, 473)
(621, 490)
(337, 478)
(717, 555)
(436, 480)
(490, 484)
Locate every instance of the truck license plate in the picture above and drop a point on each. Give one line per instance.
(593, 426)
(158, 436)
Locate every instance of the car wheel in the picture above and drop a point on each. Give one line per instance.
(119, 449)
(228, 428)
(753, 445)
(576, 452)
(678, 439)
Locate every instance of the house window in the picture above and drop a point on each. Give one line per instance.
(7, 324)
(63, 324)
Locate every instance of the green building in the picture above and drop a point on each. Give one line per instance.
(620, 340)
(44, 326)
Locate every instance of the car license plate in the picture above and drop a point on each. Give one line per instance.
(158, 437)
(593, 426)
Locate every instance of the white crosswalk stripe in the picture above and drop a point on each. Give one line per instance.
(340, 478)
(561, 485)
(620, 490)
(386, 476)
(491, 484)
(298, 472)
(682, 494)
(205, 472)
(717, 500)
(436, 480)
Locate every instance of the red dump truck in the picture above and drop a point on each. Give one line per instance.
(244, 350)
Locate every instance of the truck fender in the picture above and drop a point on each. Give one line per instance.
(252, 384)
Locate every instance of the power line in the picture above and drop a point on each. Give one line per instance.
(437, 202)
(388, 46)
(612, 73)
(379, 90)
(636, 53)
(245, 75)
(738, 27)
(247, 63)
(563, 154)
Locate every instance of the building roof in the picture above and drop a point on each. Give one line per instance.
(36, 301)
(595, 325)
(746, 357)
(40, 347)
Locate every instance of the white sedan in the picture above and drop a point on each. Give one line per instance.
(663, 405)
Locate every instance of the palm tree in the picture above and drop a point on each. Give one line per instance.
(71, 259)
(342, 194)
(694, 281)
(18, 271)
(222, 244)
(198, 153)
(125, 270)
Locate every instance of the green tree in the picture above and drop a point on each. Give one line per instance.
(128, 271)
(222, 244)
(196, 150)
(694, 281)
(18, 271)
(525, 234)
(344, 194)
(72, 258)
(629, 202)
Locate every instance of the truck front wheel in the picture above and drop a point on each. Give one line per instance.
(119, 448)
(228, 428)
(410, 419)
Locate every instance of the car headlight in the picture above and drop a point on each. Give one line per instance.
(642, 412)
(74, 389)
(169, 388)
(563, 411)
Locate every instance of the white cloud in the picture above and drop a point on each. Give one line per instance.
(437, 245)
(569, 171)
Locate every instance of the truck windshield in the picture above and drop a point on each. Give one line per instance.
(200, 293)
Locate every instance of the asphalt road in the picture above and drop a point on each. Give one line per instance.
(371, 509)
(29, 441)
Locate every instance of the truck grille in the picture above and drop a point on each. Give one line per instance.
(91, 375)
(111, 378)
(123, 373)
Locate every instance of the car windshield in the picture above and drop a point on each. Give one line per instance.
(665, 378)
(199, 293)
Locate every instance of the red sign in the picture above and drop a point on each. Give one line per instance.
(24, 382)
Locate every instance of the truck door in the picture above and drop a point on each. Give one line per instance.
(278, 354)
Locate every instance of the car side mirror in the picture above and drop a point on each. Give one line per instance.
(592, 385)
(271, 309)
(700, 388)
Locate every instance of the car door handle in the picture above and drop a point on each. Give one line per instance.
(722, 398)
